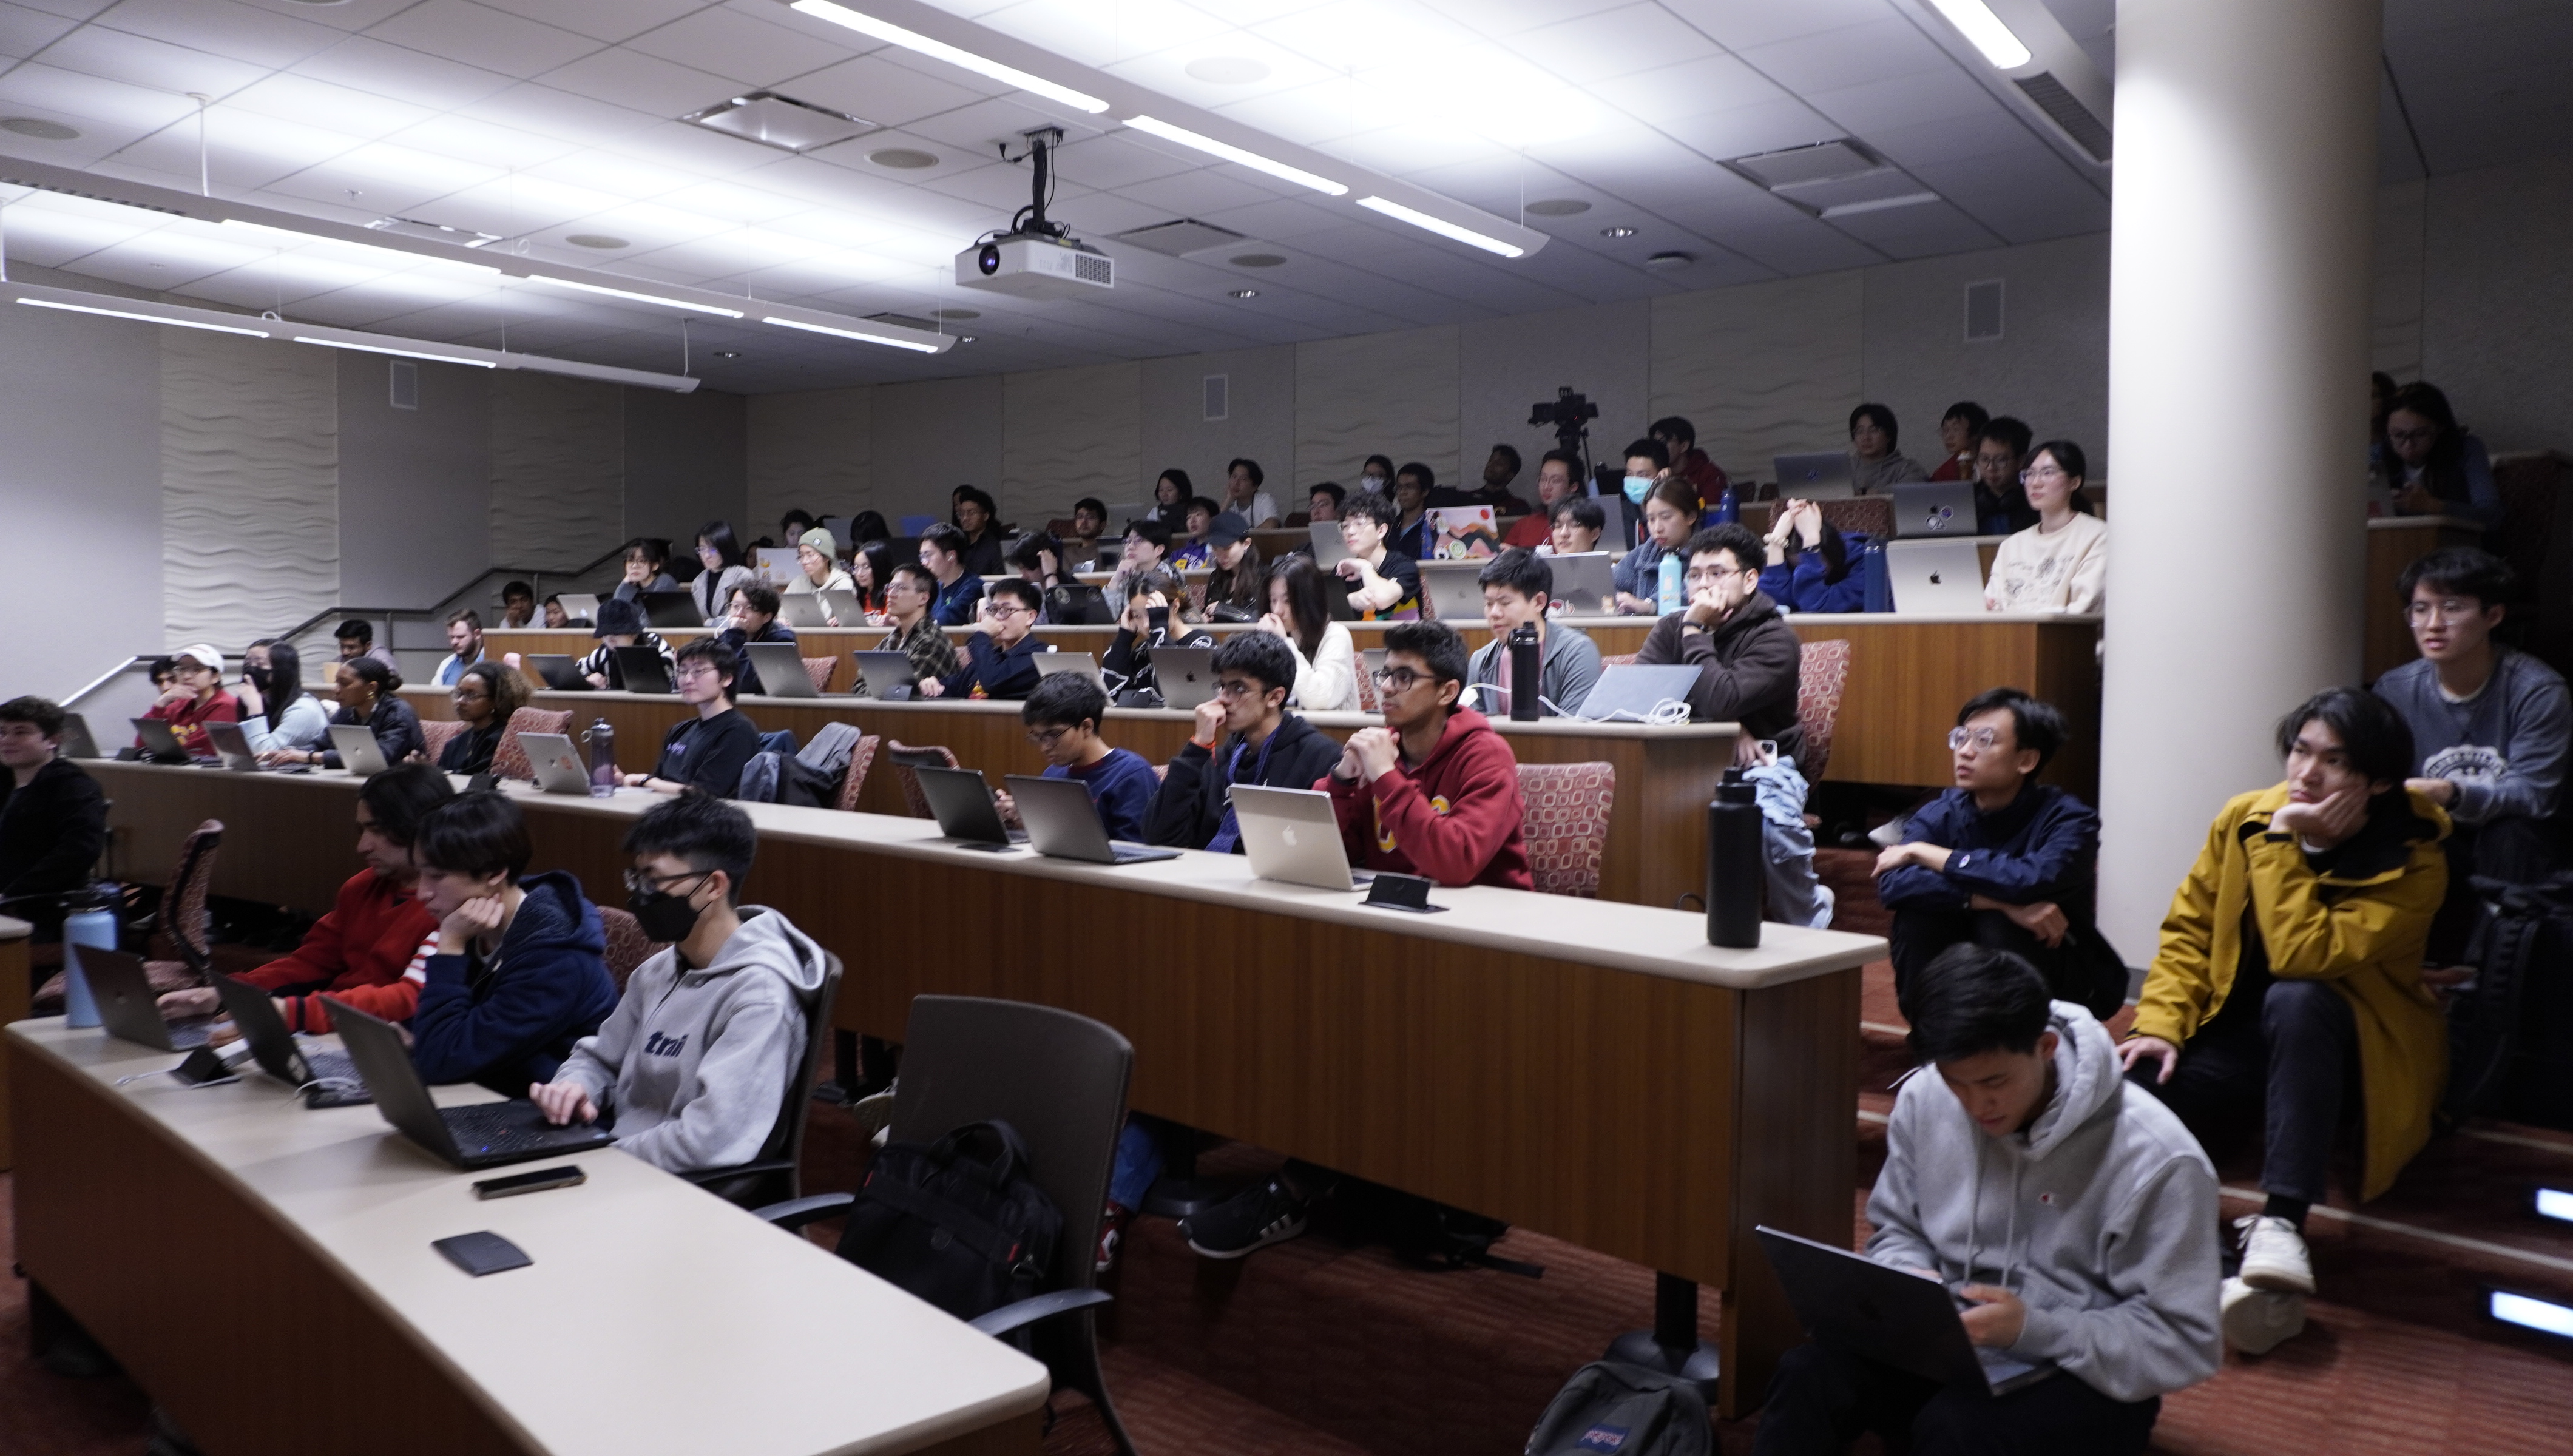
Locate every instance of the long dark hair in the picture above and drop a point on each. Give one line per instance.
(718, 534)
(2444, 472)
(285, 679)
(1174, 515)
(1245, 585)
(2072, 462)
(878, 555)
(1308, 611)
(869, 525)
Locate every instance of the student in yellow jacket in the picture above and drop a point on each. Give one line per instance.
(2294, 946)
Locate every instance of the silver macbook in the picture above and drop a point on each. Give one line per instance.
(965, 808)
(1823, 475)
(581, 607)
(1330, 550)
(1050, 663)
(886, 675)
(1585, 581)
(843, 605)
(1293, 835)
(1063, 822)
(777, 565)
(232, 746)
(802, 609)
(1454, 588)
(1934, 508)
(1935, 579)
(557, 762)
(1185, 675)
(359, 752)
(781, 670)
(1631, 693)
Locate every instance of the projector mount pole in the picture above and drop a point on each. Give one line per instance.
(1031, 219)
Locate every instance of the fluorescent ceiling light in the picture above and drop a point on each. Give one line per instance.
(587, 287)
(2554, 1203)
(406, 258)
(862, 337)
(480, 364)
(912, 40)
(1442, 227)
(1225, 150)
(1978, 24)
(2538, 1314)
(1878, 205)
(142, 318)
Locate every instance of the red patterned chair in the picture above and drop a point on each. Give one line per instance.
(1869, 515)
(627, 945)
(933, 754)
(860, 760)
(1822, 678)
(1565, 808)
(819, 670)
(178, 949)
(509, 760)
(435, 732)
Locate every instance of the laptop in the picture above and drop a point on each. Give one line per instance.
(642, 670)
(1293, 835)
(802, 609)
(1934, 508)
(487, 1134)
(327, 1079)
(1078, 604)
(359, 752)
(1585, 581)
(160, 745)
(671, 611)
(1050, 663)
(560, 672)
(843, 605)
(1629, 692)
(779, 566)
(1328, 549)
(965, 809)
(781, 670)
(887, 675)
(556, 762)
(1935, 579)
(1463, 531)
(1824, 475)
(1853, 1302)
(127, 1006)
(1185, 675)
(1063, 822)
(232, 747)
(580, 607)
(1454, 588)
(77, 742)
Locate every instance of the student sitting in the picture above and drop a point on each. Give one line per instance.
(464, 647)
(1299, 615)
(1143, 625)
(2290, 969)
(1413, 531)
(1064, 712)
(2490, 725)
(517, 978)
(556, 617)
(647, 569)
(1237, 590)
(1575, 528)
(1038, 561)
(2001, 860)
(1089, 519)
(275, 710)
(818, 555)
(2000, 502)
(372, 951)
(1517, 589)
(978, 523)
(723, 574)
(1809, 562)
(1958, 429)
(195, 699)
(1671, 515)
(1243, 735)
(753, 619)
(908, 594)
(1322, 503)
(1383, 584)
(356, 638)
(1692, 464)
(1559, 480)
(2106, 1267)
(485, 697)
(368, 694)
(1199, 552)
(1436, 791)
(2060, 565)
(1242, 481)
(518, 606)
(53, 817)
(2432, 466)
(621, 624)
(710, 1032)
(1875, 466)
(942, 550)
(706, 752)
(1000, 660)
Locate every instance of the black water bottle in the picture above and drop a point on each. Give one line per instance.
(1526, 673)
(1734, 873)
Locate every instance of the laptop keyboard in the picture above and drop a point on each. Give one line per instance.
(189, 1035)
(506, 1127)
(330, 1067)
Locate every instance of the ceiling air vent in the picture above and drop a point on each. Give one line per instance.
(780, 120)
(1185, 237)
(2086, 131)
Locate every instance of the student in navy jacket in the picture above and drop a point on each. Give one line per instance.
(1243, 735)
(518, 975)
(2001, 860)
(1000, 660)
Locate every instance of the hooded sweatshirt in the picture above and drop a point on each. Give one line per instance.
(2100, 1215)
(509, 1020)
(1454, 817)
(1749, 668)
(694, 1061)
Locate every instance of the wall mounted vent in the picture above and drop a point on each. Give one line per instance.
(1983, 311)
(2086, 130)
(406, 383)
(1219, 393)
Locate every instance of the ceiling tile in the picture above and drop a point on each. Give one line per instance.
(1738, 24)
(1928, 95)
(979, 126)
(1920, 144)
(549, 112)
(1122, 158)
(631, 79)
(222, 28)
(95, 50)
(371, 65)
(1883, 50)
(37, 89)
(478, 35)
(23, 32)
(1747, 129)
(384, 178)
(606, 20)
(1694, 88)
(741, 47)
(471, 139)
(362, 115)
(1594, 49)
(877, 88)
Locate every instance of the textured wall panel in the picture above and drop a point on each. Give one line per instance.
(557, 468)
(1259, 423)
(2402, 220)
(1377, 395)
(811, 450)
(930, 438)
(1067, 433)
(1762, 370)
(250, 485)
(1507, 365)
(2497, 301)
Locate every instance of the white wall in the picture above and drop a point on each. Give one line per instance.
(250, 473)
(415, 485)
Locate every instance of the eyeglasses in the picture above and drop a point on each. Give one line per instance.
(1710, 576)
(2034, 474)
(1984, 739)
(1011, 609)
(2447, 609)
(638, 882)
(694, 670)
(1047, 738)
(477, 690)
(2423, 435)
(1397, 679)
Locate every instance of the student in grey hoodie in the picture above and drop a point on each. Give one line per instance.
(693, 1065)
(2076, 1218)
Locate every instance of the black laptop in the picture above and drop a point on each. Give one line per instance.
(672, 610)
(1853, 1302)
(487, 1134)
(327, 1079)
(641, 669)
(963, 804)
(127, 1007)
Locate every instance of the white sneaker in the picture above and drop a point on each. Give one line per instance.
(2256, 1321)
(2275, 1256)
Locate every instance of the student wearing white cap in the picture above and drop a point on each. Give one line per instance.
(195, 698)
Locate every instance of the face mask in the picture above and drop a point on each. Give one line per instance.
(1637, 487)
(1371, 482)
(662, 915)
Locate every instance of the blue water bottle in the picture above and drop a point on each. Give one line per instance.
(1672, 598)
(91, 922)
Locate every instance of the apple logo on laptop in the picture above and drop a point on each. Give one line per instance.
(1288, 835)
(1934, 578)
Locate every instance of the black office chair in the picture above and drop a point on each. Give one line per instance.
(774, 1173)
(1059, 1080)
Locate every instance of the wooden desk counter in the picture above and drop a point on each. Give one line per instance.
(1594, 1070)
(15, 994)
(297, 1304)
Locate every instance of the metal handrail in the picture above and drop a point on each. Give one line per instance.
(618, 553)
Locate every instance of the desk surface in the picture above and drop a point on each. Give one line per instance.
(656, 1317)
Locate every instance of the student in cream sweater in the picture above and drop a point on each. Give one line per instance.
(2060, 564)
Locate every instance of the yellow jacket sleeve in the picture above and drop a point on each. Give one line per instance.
(2181, 981)
(2310, 937)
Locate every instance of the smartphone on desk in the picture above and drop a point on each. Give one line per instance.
(543, 1179)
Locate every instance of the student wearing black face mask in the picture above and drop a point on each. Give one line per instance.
(693, 1059)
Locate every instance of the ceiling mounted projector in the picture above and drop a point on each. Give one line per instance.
(1036, 258)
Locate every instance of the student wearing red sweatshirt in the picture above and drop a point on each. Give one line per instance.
(371, 950)
(1436, 791)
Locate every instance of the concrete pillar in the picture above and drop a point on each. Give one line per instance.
(2238, 301)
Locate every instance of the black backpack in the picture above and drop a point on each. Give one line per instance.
(1609, 1408)
(957, 1223)
(2510, 1029)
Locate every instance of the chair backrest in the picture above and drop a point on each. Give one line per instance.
(509, 760)
(786, 1140)
(861, 759)
(1564, 808)
(180, 923)
(1868, 514)
(435, 734)
(819, 670)
(905, 758)
(627, 945)
(1057, 1077)
(1821, 676)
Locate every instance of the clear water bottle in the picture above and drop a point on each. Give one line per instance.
(91, 922)
(1735, 874)
(601, 738)
(1672, 598)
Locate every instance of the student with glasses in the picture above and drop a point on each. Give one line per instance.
(706, 752)
(1144, 623)
(1000, 660)
(485, 697)
(195, 698)
(2060, 564)
(1243, 735)
(753, 618)
(908, 594)
(1062, 714)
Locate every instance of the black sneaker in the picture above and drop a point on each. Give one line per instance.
(1246, 1222)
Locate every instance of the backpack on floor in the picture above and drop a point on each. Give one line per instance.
(958, 1222)
(2510, 1029)
(1609, 1408)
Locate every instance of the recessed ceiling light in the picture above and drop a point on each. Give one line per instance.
(780, 120)
(954, 313)
(902, 159)
(1229, 70)
(39, 128)
(728, 353)
(1618, 231)
(964, 339)
(1670, 260)
(1245, 294)
(594, 240)
(1258, 259)
(1559, 206)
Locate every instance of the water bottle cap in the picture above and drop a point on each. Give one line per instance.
(1737, 792)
